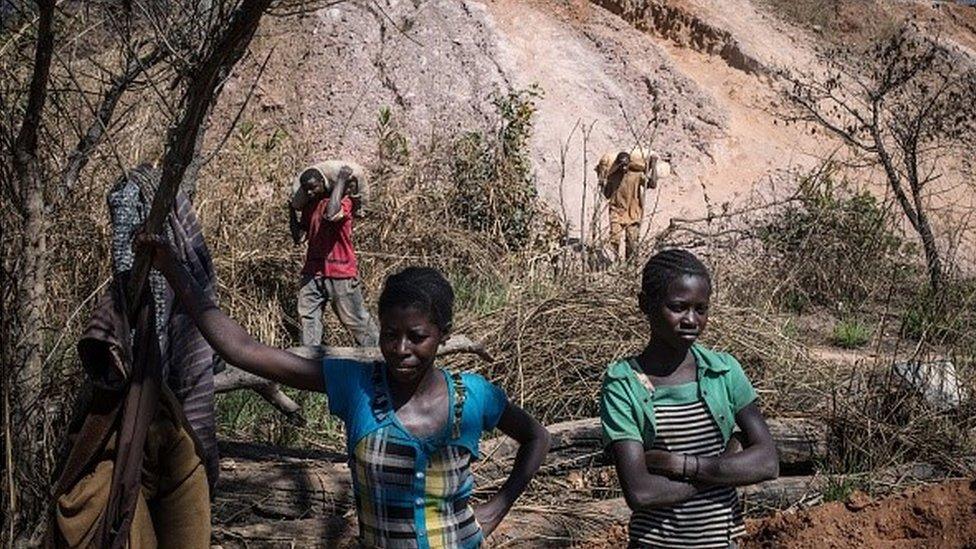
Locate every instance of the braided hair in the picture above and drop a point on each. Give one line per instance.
(424, 288)
(666, 266)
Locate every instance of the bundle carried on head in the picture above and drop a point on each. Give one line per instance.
(659, 166)
(328, 171)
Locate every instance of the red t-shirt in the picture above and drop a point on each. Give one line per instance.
(330, 252)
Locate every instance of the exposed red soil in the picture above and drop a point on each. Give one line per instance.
(942, 515)
(939, 516)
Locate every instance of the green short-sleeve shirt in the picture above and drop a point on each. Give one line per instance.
(626, 405)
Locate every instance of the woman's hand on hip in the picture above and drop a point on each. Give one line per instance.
(488, 517)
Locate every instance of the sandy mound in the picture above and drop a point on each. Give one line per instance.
(942, 515)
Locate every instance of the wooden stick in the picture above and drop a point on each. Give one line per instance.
(578, 443)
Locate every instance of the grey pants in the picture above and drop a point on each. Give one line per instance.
(347, 302)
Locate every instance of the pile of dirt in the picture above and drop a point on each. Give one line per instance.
(935, 516)
(942, 515)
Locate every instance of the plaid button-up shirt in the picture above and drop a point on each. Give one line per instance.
(412, 492)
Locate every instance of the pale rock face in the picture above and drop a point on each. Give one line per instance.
(438, 65)
(694, 84)
(935, 381)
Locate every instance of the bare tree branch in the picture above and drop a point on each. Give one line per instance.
(202, 82)
(78, 157)
(25, 146)
(907, 105)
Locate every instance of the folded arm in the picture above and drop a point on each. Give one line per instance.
(757, 462)
(642, 488)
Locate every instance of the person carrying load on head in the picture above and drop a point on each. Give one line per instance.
(326, 198)
(623, 179)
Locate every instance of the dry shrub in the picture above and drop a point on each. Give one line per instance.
(781, 368)
(552, 329)
(408, 219)
(830, 245)
(880, 422)
(553, 340)
(77, 254)
(806, 245)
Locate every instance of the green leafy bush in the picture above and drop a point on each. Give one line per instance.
(495, 189)
(830, 246)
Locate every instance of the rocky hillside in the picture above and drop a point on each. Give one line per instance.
(606, 68)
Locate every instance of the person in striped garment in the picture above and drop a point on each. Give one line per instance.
(412, 429)
(668, 414)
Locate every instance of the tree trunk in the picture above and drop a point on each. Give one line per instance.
(30, 299)
(916, 215)
(32, 295)
(30, 274)
(933, 260)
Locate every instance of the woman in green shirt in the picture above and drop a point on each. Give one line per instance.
(668, 415)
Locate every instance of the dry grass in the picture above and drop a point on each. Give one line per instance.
(553, 328)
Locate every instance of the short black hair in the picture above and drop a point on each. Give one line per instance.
(424, 288)
(666, 266)
(310, 175)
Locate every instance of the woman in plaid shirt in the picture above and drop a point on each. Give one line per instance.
(412, 429)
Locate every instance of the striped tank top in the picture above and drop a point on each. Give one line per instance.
(713, 518)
